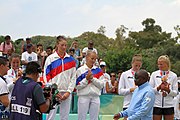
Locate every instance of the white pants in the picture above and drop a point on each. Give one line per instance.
(64, 110)
(88, 103)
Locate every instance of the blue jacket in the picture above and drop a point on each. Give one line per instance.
(141, 105)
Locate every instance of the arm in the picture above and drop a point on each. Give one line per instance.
(4, 100)
(174, 87)
(108, 90)
(81, 80)
(98, 82)
(121, 87)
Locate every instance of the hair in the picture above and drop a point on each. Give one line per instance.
(7, 37)
(33, 68)
(165, 59)
(14, 55)
(144, 74)
(137, 57)
(3, 60)
(39, 45)
(60, 38)
(28, 38)
(50, 47)
(89, 52)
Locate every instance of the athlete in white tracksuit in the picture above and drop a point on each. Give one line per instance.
(60, 68)
(89, 83)
(126, 85)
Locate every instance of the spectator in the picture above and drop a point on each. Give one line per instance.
(89, 84)
(77, 52)
(177, 104)
(112, 85)
(24, 46)
(28, 56)
(106, 77)
(90, 47)
(14, 72)
(126, 85)
(141, 105)
(30, 103)
(165, 87)
(40, 53)
(4, 100)
(60, 68)
(49, 51)
(7, 46)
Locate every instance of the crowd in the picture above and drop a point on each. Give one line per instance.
(146, 96)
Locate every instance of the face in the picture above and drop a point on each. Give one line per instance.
(75, 44)
(49, 51)
(91, 59)
(113, 76)
(162, 65)
(8, 41)
(4, 68)
(136, 65)
(61, 46)
(15, 63)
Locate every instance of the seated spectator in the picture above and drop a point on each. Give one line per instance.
(106, 77)
(112, 85)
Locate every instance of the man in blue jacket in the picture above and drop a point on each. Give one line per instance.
(141, 106)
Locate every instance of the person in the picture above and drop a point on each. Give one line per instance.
(40, 53)
(112, 85)
(165, 87)
(71, 52)
(60, 68)
(177, 104)
(126, 84)
(4, 100)
(14, 72)
(90, 47)
(28, 56)
(141, 105)
(89, 83)
(77, 52)
(7, 46)
(30, 103)
(24, 45)
(105, 75)
(49, 51)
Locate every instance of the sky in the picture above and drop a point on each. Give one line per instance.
(27, 18)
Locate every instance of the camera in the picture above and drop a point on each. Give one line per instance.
(47, 91)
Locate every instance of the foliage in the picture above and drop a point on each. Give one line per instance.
(151, 42)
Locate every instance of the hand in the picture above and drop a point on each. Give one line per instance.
(65, 96)
(59, 96)
(89, 75)
(132, 89)
(165, 87)
(116, 116)
(164, 94)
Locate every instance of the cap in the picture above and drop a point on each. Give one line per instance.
(91, 42)
(102, 63)
(29, 45)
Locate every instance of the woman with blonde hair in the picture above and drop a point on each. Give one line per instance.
(165, 87)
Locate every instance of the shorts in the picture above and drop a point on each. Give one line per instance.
(163, 111)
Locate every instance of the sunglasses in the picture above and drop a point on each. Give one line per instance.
(112, 75)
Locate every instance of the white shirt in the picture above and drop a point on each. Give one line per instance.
(106, 78)
(86, 49)
(155, 81)
(176, 102)
(125, 83)
(28, 57)
(89, 87)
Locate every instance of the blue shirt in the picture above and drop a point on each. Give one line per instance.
(141, 105)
